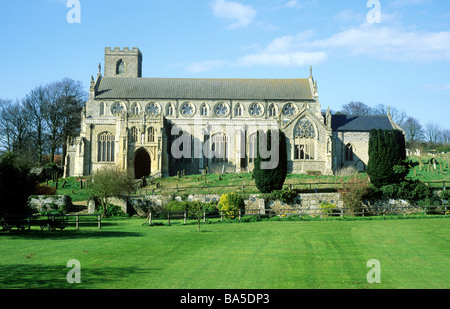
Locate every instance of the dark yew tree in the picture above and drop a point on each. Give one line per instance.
(270, 167)
(387, 155)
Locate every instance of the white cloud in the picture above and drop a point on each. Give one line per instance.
(283, 51)
(240, 15)
(203, 66)
(402, 3)
(288, 59)
(437, 87)
(388, 43)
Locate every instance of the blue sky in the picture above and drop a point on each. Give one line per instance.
(403, 61)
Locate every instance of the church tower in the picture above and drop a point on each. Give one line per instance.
(123, 63)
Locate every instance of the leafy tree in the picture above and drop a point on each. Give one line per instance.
(272, 178)
(387, 154)
(195, 209)
(110, 182)
(16, 185)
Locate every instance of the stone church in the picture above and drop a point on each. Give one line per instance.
(161, 126)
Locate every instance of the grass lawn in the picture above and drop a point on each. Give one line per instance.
(414, 253)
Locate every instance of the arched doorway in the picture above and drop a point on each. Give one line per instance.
(142, 164)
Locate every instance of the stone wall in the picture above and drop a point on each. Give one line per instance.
(50, 202)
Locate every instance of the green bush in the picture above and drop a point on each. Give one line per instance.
(176, 206)
(285, 196)
(409, 190)
(445, 195)
(111, 211)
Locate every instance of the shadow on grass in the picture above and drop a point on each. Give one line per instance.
(20, 276)
(67, 234)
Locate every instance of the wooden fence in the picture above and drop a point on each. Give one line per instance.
(287, 212)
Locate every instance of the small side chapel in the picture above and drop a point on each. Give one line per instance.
(136, 124)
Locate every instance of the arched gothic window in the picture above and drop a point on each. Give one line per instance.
(349, 152)
(151, 136)
(304, 140)
(272, 110)
(133, 135)
(135, 109)
(170, 110)
(204, 110)
(238, 110)
(106, 142)
(120, 67)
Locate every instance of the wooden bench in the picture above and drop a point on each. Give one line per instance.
(8, 222)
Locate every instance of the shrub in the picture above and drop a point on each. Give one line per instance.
(409, 190)
(176, 206)
(327, 208)
(353, 193)
(230, 203)
(111, 211)
(285, 196)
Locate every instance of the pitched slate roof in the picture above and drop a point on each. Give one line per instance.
(360, 123)
(214, 89)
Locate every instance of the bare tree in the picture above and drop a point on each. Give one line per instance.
(446, 136)
(433, 132)
(399, 116)
(14, 127)
(356, 109)
(35, 103)
(6, 129)
(413, 130)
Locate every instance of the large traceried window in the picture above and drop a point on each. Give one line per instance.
(106, 142)
(304, 140)
(219, 147)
